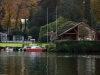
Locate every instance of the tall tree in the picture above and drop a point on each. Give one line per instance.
(33, 8)
(39, 18)
(15, 10)
(51, 5)
(7, 5)
(80, 6)
(69, 9)
(65, 7)
(87, 12)
(20, 11)
(96, 9)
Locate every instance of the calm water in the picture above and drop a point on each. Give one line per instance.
(22, 63)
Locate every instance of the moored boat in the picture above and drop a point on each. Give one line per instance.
(9, 49)
(35, 49)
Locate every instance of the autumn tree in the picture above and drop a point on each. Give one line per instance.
(96, 9)
(24, 10)
(32, 7)
(15, 10)
(20, 11)
(8, 7)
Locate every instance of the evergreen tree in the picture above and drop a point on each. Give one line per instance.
(39, 19)
(65, 7)
(87, 12)
(1, 29)
(96, 9)
(70, 9)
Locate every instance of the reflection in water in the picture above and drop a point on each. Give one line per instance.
(86, 66)
(22, 63)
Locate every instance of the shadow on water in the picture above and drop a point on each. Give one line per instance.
(44, 63)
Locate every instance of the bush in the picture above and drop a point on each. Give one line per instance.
(51, 27)
(64, 48)
(51, 47)
(43, 39)
(78, 46)
(34, 32)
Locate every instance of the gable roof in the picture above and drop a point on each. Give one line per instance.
(2, 33)
(76, 26)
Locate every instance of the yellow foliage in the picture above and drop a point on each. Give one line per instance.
(96, 8)
(15, 10)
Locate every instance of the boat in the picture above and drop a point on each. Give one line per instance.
(35, 49)
(8, 49)
(32, 48)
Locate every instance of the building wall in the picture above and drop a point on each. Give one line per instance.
(18, 38)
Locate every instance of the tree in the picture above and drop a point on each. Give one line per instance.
(1, 29)
(87, 12)
(70, 9)
(32, 7)
(83, 32)
(51, 5)
(97, 27)
(15, 10)
(34, 32)
(38, 19)
(79, 5)
(65, 7)
(20, 11)
(7, 5)
(96, 6)
(24, 10)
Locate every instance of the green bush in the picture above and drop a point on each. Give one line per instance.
(64, 48)
(51, 27)
(51, 47)
(43, 38)
(78, 46)
(34, 32)
(83, 46)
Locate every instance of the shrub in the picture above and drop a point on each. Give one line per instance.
(78, 46)
(43, 38)
(51, 47)
(64, 48)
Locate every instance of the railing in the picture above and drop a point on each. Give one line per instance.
(17, 41)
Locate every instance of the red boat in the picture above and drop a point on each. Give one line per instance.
(35, 49)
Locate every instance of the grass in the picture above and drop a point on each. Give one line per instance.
(19, 44)
(11, 44)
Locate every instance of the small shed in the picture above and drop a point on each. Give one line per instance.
(73, 33)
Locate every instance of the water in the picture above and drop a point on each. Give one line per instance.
(22, 63)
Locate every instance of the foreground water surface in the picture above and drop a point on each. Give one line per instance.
(23, 63)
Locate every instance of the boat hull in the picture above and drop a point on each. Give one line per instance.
(35, 50)
(9, 49)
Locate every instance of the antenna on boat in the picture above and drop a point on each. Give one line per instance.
(47, 24)
(56, 21)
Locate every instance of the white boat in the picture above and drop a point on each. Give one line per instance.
(7, 49)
